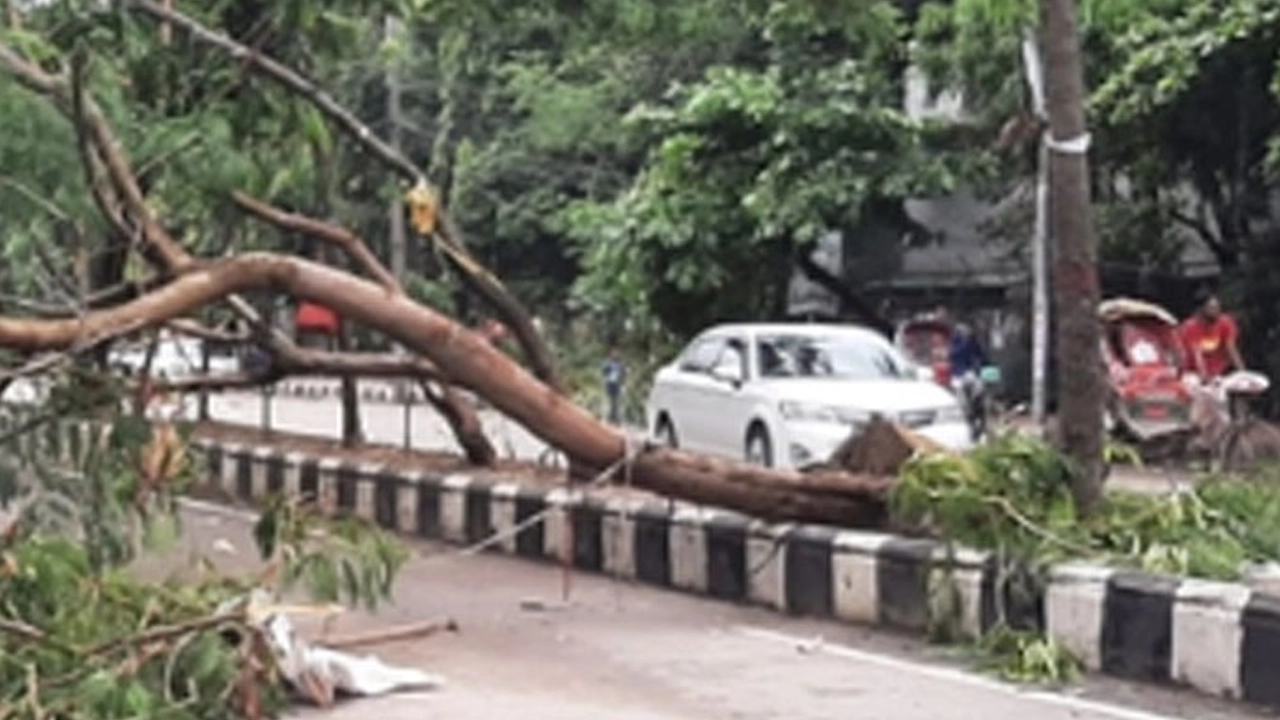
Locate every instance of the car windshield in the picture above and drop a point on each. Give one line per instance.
(829, 356)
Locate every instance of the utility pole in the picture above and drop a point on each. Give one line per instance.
(1081, 390)
(1034, 68)
(394, 33)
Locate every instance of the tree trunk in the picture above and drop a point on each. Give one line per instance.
(1080, 381)
(468, 360)
(352, 433)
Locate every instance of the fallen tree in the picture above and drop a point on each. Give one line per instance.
(448, 354)
(465, 358)
(120, 199)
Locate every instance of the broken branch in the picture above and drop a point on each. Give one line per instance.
(415, 631)
(335, 235)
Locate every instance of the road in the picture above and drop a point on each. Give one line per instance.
(384, 424)
(629, 652)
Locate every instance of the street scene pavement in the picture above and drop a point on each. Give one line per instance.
(626, 652)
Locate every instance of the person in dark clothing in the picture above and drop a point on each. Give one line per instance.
(967, 360)
(614, 374)
(966, 356)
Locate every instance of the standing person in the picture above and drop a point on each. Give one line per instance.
(1209, 337)
(614, 373)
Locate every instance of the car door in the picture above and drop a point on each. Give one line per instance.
(688, 390)
(727, 399)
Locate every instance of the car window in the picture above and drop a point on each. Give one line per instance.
(702, 355)
(830, 356)
(733, 357)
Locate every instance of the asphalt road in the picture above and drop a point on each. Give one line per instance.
(382, 423)
(628, 652)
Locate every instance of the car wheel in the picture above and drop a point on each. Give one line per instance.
(759, 447)
(665, 433)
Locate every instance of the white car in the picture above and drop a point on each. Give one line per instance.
(788, 395)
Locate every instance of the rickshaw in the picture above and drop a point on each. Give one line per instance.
(926, 341)
(1145, 364)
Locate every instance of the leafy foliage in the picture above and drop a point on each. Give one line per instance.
(81, 636)
(348, 561)
(1012, 497)
(751, 164)
(1026, 657)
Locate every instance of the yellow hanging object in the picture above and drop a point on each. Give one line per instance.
(421, 200)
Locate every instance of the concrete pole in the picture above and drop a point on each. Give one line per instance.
(1040, 241)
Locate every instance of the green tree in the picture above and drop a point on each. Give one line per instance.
(749, 165)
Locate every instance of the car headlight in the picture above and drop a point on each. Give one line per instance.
(813, 412)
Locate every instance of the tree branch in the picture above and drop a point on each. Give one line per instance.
(192, 328)
(341, 237)
(316, 362)
(836, 286)
(121, 292)
(473, 274)
(124, 193)
(103, 140)
(36, 198)
(287, 77)
(1211, 240)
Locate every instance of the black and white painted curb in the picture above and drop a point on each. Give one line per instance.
(1219, 638)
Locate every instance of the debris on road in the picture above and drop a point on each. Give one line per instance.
(320, 673)
(540, 605)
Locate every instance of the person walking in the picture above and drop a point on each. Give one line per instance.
(614, 373)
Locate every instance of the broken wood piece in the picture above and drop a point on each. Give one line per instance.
(406, 632)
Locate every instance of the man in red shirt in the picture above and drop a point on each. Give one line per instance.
(1209, 338)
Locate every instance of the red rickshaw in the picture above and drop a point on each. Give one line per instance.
(1145, 364)
(926, 341)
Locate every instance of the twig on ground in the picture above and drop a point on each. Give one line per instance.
(408, 632)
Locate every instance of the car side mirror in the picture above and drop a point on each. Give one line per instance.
(729, 372)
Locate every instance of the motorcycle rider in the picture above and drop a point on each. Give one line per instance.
(967, 360)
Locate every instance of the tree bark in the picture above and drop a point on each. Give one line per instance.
(1081, 391)
(831, 497)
